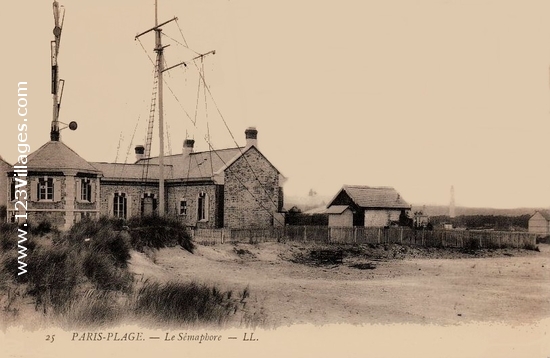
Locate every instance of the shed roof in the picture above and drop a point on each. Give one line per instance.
(336, 209)
(373, 197)
(56, 155)
(545, 214)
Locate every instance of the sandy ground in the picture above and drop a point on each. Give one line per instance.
(511, 287)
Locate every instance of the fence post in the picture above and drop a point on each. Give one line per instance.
(456, 240)
(401, 236)
(480, 240)
(355, 234)
(378, 235)
(305, 233)
(222, 231)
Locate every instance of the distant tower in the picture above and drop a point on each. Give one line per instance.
(452, 203)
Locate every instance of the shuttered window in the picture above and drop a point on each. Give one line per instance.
(183, 207)
(120, 205)
(85, 192)
(45, 188)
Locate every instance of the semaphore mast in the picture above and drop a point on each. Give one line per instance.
(57, 84)
(159, 49)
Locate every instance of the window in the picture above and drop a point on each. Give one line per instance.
(148, 204)
(119, 205)
(12, 190)
(85, 190)
(202, 206)
(183, 207)
(45, 188)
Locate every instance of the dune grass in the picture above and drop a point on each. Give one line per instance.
(80, 278)
(187, 302)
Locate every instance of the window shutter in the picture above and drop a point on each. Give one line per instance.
(78, 190)
(110, 205)
(92, 190)
(8, 191)
(56, 189)
(128, 207)
(34, 190)
(206, 207)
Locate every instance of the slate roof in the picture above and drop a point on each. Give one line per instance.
(197, 165)
(373, 197)
(139, 172)
(336, 209)
(202, 165)
(57, 156)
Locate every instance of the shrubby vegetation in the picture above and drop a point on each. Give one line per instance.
(496, 222)
(81, 276)
(158, 232)
(187, 302)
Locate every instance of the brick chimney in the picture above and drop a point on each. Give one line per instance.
(140, 152)
(188, 146)
(251, 137)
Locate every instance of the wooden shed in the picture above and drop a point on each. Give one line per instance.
(340, 216)
(539, 223)
(371, 206)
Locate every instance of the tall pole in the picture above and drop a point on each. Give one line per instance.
(54, 131)
(160, 64)
(159, 49)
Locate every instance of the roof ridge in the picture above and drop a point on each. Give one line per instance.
(144, 164)
(58, 155)
(216, 150)
(368, 187)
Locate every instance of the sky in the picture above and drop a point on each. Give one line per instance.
(418, 95)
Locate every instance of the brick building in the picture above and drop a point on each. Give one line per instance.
(5, 167)
(234, 187)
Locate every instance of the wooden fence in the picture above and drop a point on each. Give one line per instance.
(366, 235)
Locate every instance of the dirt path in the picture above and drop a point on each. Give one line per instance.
(508, 289)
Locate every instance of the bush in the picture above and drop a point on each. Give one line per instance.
(104, 273)
(43, 227)
(53, 276)
(92, 308)
(8, 236)
(10, 266)
(471, 245)
(101, 236)
(158, 232)
(87, 228)
(185, 302)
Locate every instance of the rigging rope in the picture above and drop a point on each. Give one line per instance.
(208, 139)
(234, 140)
(206, 114)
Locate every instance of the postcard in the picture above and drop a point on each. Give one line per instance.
(240, 178)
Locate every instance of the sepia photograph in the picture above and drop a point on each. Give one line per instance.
(230, 178)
